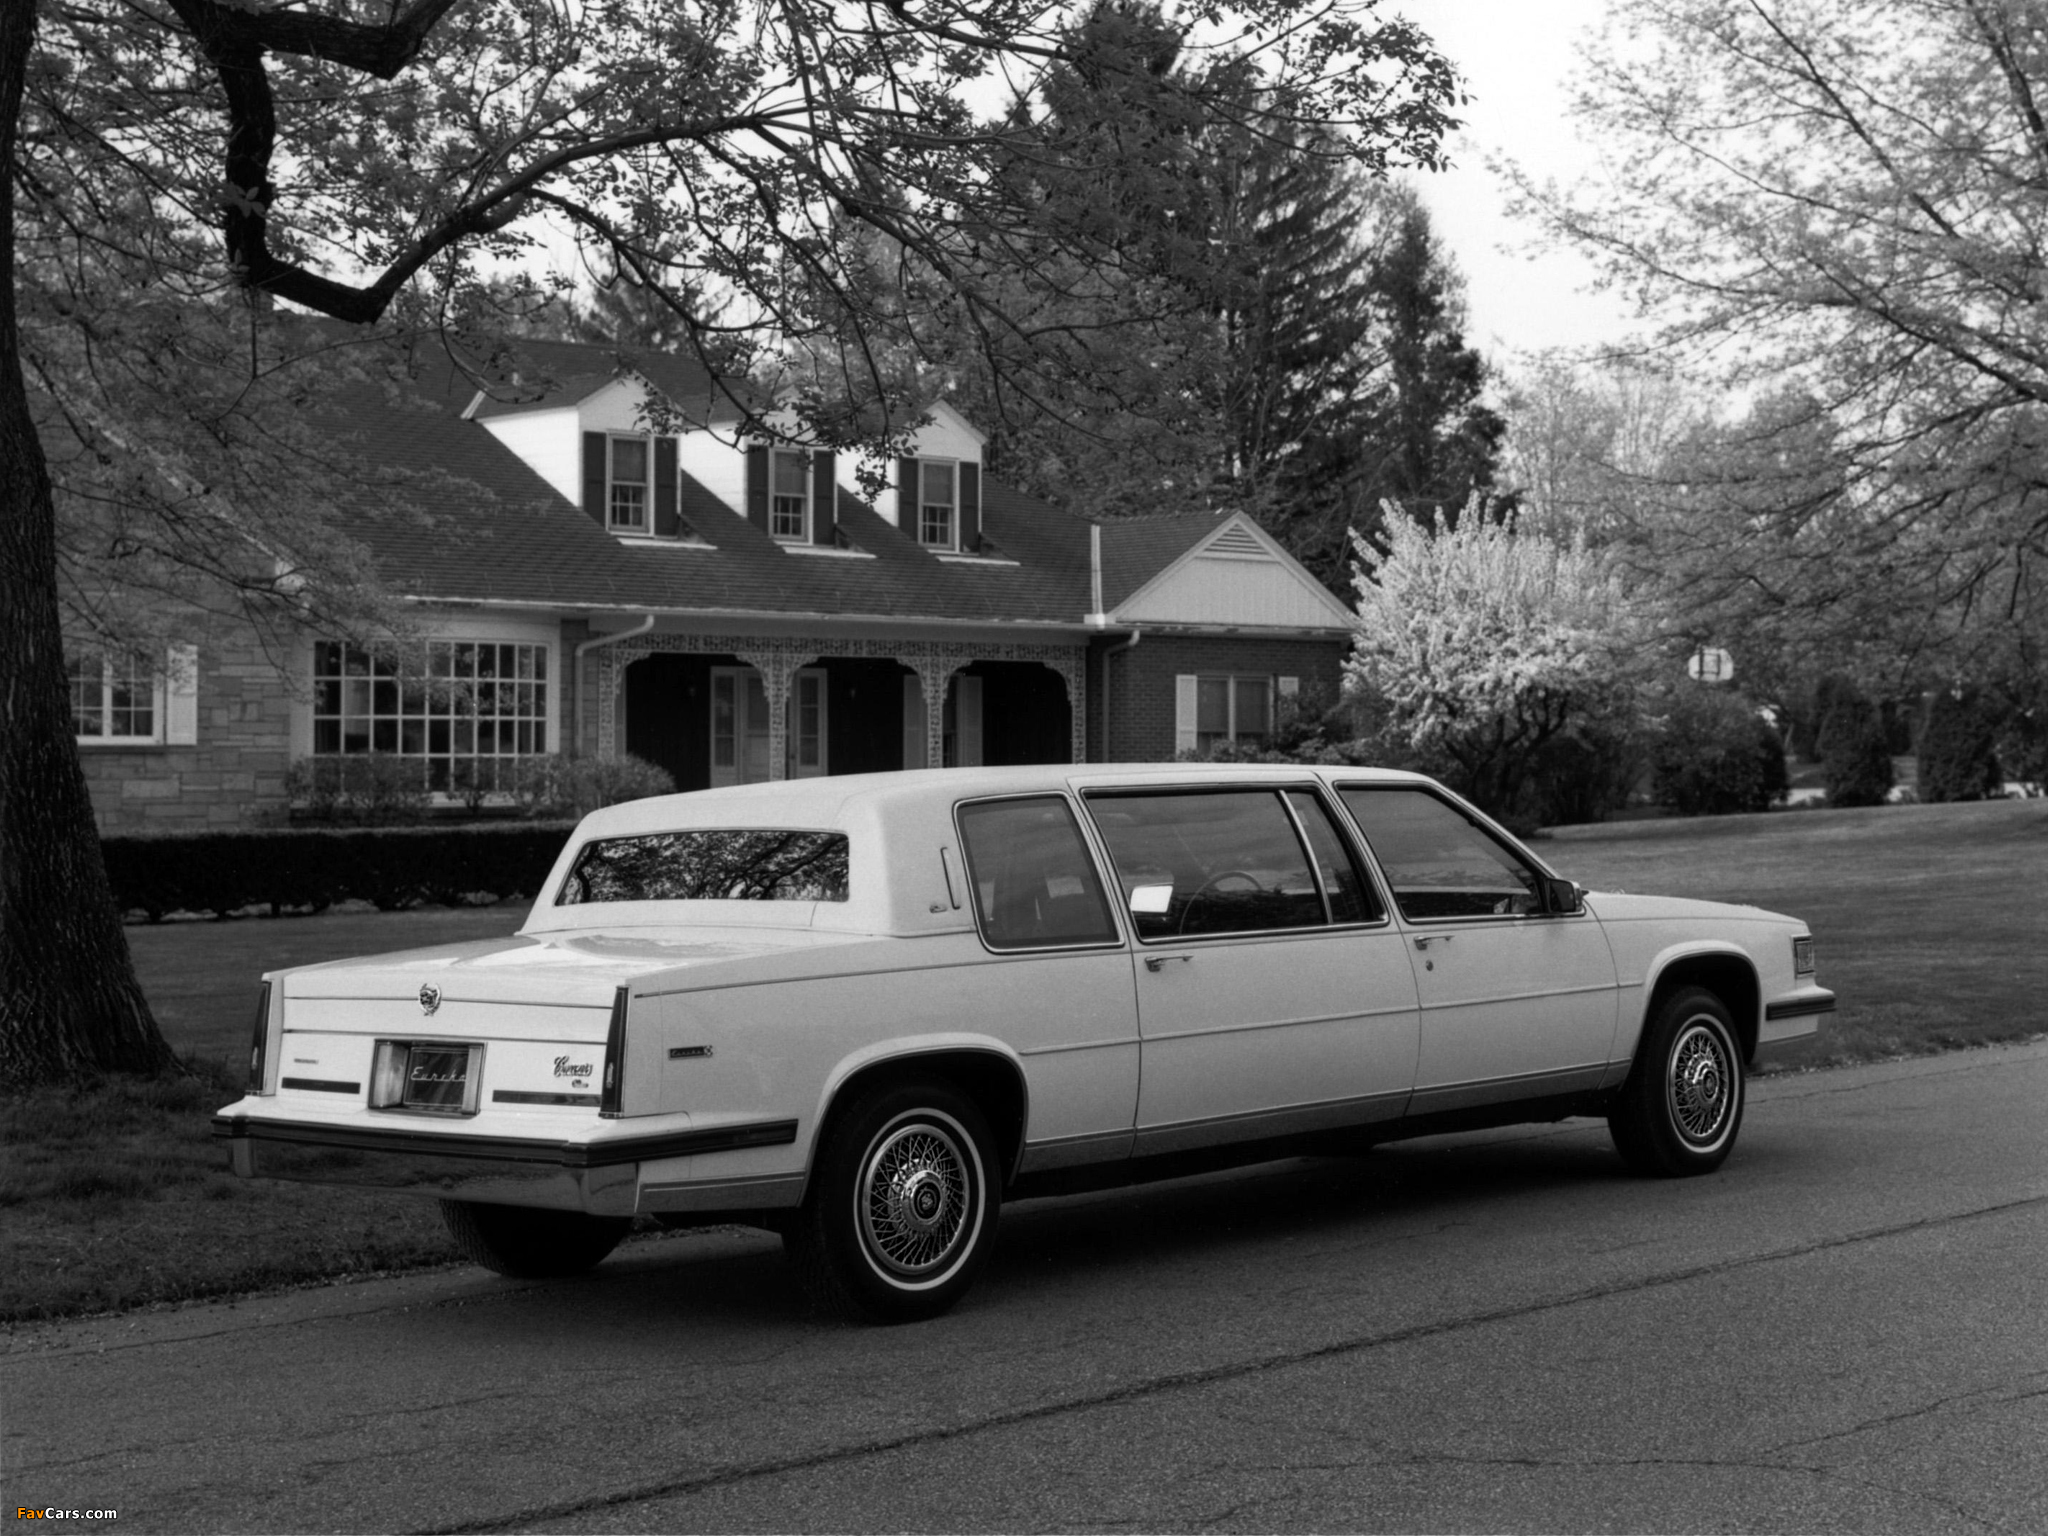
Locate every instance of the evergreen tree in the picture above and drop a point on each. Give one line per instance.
(1431, 440)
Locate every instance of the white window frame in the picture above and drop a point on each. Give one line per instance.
(613, 485)
(446, 732)
(802, 534)
(1187, 706)
(173, 700)
(952, 539)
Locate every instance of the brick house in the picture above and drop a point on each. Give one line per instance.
(633, 576)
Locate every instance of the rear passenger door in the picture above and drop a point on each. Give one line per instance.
(1273, 994)
(1055, 984)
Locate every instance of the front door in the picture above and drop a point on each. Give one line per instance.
(1515, 1003)
(739, 726)
(1273, 994)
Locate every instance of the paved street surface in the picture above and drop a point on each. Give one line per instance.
(1845, 1330)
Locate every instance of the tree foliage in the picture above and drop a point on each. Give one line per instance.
(180, 169)
(1833, 206)
(1480, 645)
(1958, 749)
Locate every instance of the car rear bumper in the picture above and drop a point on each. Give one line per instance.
(600, 1177)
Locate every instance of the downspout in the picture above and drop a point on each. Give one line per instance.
(594, 643)
(1114, 650)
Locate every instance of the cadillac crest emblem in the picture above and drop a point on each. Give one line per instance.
(430, 998)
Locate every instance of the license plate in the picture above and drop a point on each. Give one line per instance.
(437, 1077)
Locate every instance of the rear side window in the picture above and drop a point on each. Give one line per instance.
(736, 865)
(1035, 886)
(1439, 862)
(1230, 857)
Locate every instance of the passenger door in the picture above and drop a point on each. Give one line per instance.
(1516, 1003)
(1274, 995)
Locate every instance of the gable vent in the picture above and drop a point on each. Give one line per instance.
(1237, 540)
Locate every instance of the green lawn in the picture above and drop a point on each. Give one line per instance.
(1932, 924)
(1931, 921)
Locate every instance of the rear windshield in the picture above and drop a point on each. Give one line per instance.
(749, 865)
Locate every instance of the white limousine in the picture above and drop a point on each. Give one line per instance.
(864, 1011)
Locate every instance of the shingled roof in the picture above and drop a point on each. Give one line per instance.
(494, 530)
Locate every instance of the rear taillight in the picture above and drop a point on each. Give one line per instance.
(259, 1045)
(610, 1091)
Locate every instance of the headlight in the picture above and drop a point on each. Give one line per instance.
(1802, 955)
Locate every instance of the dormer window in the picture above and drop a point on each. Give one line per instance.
(938, 501)
(789, 502)
(626, 495)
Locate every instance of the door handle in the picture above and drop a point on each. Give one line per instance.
(1424, 940)
(1159, 962)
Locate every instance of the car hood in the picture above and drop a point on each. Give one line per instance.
(1624, 907)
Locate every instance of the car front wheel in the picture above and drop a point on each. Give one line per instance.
(903, 1205)
(1679, 1111)
(529, 1244)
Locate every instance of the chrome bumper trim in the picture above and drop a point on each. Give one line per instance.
(599, 1177)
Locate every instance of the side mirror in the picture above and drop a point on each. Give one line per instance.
(1560, 897)
(1151, 900)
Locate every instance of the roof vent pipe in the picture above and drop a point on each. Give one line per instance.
(597, 642)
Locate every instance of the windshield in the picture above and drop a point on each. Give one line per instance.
(735, 865)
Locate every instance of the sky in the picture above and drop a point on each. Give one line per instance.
(1517, 57)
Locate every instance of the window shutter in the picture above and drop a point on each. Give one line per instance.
(668, 520)
(906, 496)
(594, 444)
(757, 486)
(970, 507)
(181, 697)
(1184, 713)
(824, 496)
(913, 722)
(967, 720)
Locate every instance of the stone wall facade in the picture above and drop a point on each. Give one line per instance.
(233, 777)
(1137, 685)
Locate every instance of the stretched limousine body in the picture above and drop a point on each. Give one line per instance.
(865, 1010)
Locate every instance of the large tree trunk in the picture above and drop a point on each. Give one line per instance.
(69, 1002)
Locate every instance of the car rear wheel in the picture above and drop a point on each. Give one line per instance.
(902, 1209)
(1679, 1111)
(529, 1244)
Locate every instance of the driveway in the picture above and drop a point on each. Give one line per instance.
(1842, 1331)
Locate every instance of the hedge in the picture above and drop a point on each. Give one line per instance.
(1717, 756)
(315, 867)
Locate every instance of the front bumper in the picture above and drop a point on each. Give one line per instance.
(599, 1177)
(1793, 1019)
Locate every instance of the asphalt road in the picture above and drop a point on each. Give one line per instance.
(1844, 1330)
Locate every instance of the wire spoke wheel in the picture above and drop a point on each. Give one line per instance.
(1698, 1083)
(914, 1199)
(1680, 1110)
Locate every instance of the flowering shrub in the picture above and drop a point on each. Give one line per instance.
(1481, 645)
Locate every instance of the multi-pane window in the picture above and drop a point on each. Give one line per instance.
(1233, 708)
(937, 499)
(789, 500)
(627, 501)
(113, 698)
(467, 710)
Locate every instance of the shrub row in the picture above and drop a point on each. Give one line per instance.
(386, 789)
(315, 867)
